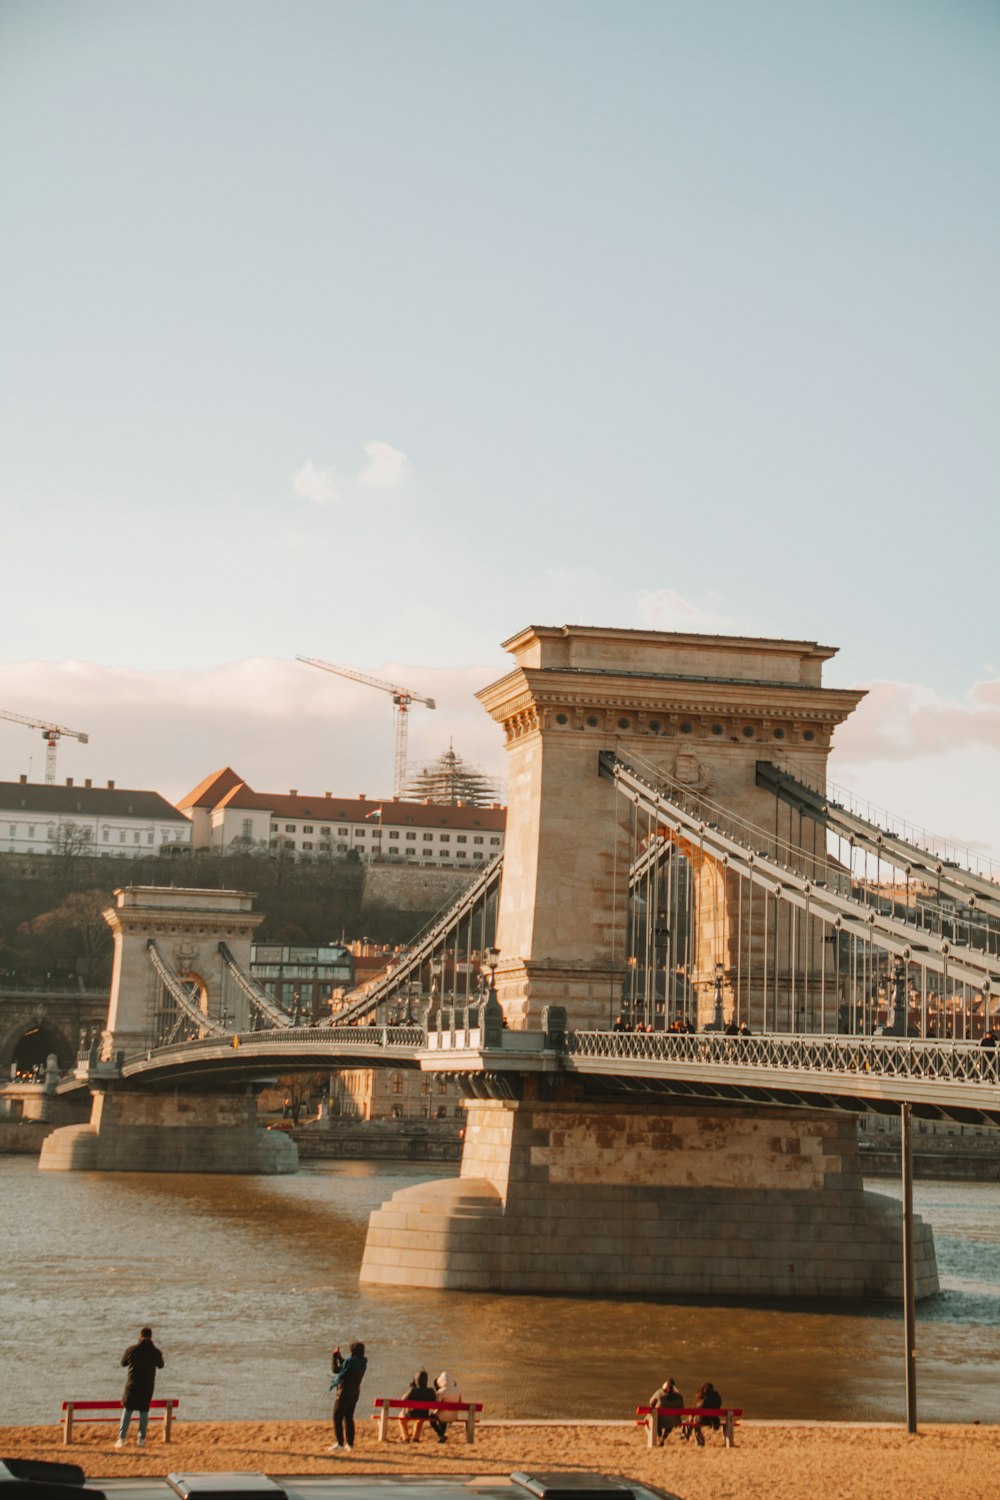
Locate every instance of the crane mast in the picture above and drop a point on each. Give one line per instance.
(401, 698)
(51, 734)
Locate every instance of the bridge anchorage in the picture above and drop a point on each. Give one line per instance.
(706, 965)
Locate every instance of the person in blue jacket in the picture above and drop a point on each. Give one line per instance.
(346, 1378)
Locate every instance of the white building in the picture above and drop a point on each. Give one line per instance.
(224, 809)
(41, 818)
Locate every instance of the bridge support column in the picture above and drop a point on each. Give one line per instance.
(638, 1199)
(177, 1132)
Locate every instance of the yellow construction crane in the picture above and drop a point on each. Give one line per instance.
(51, 733)
(401, 697)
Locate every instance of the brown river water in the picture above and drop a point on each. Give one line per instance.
(248, 1282)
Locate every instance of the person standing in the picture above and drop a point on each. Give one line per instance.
(347, 1375)
(142, 1360)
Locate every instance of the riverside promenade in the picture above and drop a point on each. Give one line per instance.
(771, 1461)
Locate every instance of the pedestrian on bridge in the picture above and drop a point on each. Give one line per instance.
(142, 1360)
(347, 1375)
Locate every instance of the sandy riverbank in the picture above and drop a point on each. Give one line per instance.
(821, 1462)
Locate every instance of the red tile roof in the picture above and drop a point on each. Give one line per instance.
(225, 789)
(208, 793)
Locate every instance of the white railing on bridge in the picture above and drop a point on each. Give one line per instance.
(844, 1056)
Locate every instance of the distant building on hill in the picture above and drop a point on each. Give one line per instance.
(449, 781)
(42, 818)
(227, 815)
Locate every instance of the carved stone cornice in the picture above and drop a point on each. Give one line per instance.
(530, 700)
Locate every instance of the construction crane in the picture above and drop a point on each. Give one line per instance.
(401, 697)
(51, 734)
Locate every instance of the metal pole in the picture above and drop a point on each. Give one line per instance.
(909, 1310)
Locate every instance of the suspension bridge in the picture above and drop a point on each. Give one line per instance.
(694, 964)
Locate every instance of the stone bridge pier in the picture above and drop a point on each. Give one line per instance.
(184, 1129)
(565, 1191)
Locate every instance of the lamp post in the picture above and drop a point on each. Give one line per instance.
(492, 959)
(718, 1024)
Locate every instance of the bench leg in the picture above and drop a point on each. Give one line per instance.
(727, 1430)
(383, 1424)
(470, 1425)
(168, 1417)
(68, 1426)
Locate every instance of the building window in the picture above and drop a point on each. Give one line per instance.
(477, 854)
(495, 841)
(460, 838)
(105, 835)
(135, 838)
(477, 838)
(121, 837)
(50, 832)
(445, 838)
(411, 853)
(307, 844)
(290, 827)
(396, 1083)
(393, 834)
(411, 835)
(307, 828)
(149, 838)
(248, 828)
(428, 837)
(342, 833)
(325, 833)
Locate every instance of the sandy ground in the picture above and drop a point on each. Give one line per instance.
(769, 1462)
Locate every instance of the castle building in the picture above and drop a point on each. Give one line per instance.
(225, 811)
(42, 818)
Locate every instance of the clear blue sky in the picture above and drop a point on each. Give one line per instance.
(374, 331)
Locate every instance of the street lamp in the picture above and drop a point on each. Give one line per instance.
(718, 1024)
(492, 959)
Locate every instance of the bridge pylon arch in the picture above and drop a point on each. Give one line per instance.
(701, 709)
(187, 925)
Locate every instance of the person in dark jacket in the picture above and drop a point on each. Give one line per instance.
(420, 1390)
(346, 1381)
(709, 1400)
(142, 1360)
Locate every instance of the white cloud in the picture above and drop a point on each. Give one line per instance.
(385, 466)
(279, 724)
(318, 485)
(665, 609)
(905, 721)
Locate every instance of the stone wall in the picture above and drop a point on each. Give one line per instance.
(413, 887)
(169, 1133)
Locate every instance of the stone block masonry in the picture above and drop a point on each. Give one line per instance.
(177, 1132)
(649, 1201)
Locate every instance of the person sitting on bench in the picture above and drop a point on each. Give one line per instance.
(419, 1391)
(664, 1401)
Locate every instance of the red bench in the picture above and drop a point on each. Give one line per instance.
(689, 1417)
(159, 1411)
(385, 1405)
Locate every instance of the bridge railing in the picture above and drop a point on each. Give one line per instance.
(326, 1038)
(888, 1057)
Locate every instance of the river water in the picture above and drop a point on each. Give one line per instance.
(248, 1282)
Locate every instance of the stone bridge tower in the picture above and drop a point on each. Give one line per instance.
(565, 1188)
(187, 927)
(184, 1128)
(703, 709)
